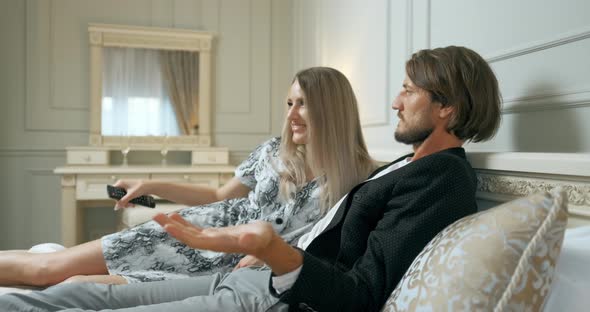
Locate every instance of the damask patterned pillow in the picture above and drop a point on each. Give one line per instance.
(501, 259)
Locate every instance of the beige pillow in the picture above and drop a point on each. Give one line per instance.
(501, 259)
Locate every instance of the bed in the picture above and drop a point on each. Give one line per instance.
(503, 177)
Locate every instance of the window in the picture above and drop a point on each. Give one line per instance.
(135, 101)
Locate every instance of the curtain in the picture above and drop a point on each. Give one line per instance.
(135, 100)
(180, 70)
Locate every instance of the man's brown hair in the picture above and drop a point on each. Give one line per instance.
(461, 78)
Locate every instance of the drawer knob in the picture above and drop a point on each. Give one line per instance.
(87, 158)
(186, 177)
(113, 177)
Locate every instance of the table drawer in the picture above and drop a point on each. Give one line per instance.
(94, 186)
(210, 157)
(204, 179)
(87, 157)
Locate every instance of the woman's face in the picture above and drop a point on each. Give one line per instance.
(297, 114)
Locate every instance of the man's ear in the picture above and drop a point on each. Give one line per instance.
(446, 112)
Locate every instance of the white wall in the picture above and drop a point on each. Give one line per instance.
(538, 49)
(44, 89)
(366, 41)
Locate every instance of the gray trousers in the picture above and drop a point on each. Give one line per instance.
(242, 290)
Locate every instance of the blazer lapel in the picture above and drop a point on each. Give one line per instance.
(341, 212)
(343, 208)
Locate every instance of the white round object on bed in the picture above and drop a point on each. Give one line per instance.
(46, 248)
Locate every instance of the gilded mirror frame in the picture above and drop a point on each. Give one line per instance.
(106, 35)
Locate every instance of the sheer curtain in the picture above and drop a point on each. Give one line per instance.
(135, 100)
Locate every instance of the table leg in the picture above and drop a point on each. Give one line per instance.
(70, 216)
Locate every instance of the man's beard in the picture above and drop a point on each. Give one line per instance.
(413, 136)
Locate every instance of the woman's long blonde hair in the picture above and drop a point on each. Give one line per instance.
(335, 150)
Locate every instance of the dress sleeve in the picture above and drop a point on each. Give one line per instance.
(247, 171)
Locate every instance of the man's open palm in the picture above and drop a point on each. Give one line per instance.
(249, 238)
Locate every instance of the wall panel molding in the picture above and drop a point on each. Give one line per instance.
(40, 221)
(296, 25)
(211, 21)
(306, 27)
(82, 103)
(409, 28)
(543, 102)
(162, 13)
(40, 153)
(44, 111)
(319, 32)
(569, 164)
(41, 114)
(536, 46)
(241, 108)
(187, 14)
(253, 117)
(50, 15)
(418, 13)
(382, 118)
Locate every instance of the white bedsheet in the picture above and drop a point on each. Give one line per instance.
(571, 286)
(19, 289)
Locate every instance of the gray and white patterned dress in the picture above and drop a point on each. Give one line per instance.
(147, 253)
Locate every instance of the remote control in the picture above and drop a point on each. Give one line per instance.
(118, 193)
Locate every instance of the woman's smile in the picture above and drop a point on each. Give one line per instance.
(298, 127)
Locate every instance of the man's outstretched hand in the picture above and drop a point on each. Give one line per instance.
(257, 239)
(250, 238)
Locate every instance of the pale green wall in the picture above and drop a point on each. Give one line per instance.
(44, 90)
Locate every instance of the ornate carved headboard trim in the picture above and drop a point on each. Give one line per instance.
(503, 176)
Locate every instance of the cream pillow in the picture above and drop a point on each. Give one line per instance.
(501, 259)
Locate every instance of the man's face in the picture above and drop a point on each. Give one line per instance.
(415, 112)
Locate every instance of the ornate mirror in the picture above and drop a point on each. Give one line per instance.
(149, 86)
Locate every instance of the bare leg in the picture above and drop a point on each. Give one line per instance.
(23, 268)
(99, 279)
(5, 252)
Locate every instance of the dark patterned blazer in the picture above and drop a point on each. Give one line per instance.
(357, 261)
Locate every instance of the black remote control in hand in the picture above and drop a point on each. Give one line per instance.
(118, 193)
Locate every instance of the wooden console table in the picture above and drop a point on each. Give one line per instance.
(85, 186)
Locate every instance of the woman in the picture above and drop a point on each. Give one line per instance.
(290, 182)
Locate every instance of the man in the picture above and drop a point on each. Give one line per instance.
(355, 256)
